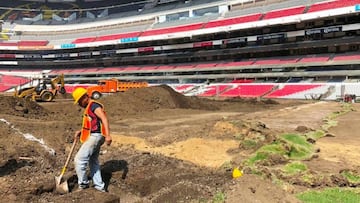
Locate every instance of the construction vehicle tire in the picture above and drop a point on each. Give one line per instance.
(62, 90)
(47, 96)
(96, 95)
(28, 98)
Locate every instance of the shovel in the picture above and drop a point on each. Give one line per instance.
(63, 187)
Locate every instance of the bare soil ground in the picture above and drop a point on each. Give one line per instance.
(166, 147)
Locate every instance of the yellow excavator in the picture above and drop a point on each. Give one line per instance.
(41, 92)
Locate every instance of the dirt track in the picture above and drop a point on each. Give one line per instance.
(167, 147)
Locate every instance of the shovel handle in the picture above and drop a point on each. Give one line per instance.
(69, 157)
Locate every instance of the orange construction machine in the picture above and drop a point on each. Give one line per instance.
(112, 86)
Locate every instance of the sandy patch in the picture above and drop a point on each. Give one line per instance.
(203, 152)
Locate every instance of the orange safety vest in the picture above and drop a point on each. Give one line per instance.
(90, 122)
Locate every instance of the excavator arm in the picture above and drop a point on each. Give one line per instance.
(58, 79)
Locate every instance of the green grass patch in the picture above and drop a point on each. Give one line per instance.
(257, 157)
(249, 144)
(315, 135)
(335, 114)
(299, 148)
(330, 195)
(330, 119)
(308, 178)
(328, 124)
(219, 197)
(292, 146)
(351, 177)
(274, 148)
(264, 152)
(294, 168)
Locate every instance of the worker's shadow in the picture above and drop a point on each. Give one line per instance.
(12, 165)
(113, 166)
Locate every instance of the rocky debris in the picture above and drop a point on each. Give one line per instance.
(302, 129)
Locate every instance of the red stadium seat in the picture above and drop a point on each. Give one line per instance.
(8, 43)
(231, 21)
(206, 65)
(111, 69)
(290, 89)
(165, 67)
(248, 91)
(91, 70)
(71, 88)
(346, 58)
(33, 43)
(182, 28)
(84, 40)
(7, 56)
(184, 67)
(240, 63)
(332, 5)
(182, 88)
(214, 90)
(148, 68)
(242, 81)
(8, 81)
(284, 12)
(314, 59)
(275, 61)
(117, 36)
(131, 68)
(26, 43)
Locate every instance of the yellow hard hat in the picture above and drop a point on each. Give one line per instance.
(78, 93)
(237, 173)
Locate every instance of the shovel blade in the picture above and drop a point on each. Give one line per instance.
(61, 187)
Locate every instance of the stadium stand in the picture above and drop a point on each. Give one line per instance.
(8, 81)
(331, 4)
(347, 58)
(231, 21)
(248, 91)
(198, 42)
(250, 64)
(290, 89)
(313, 59)
(284, 12)
(216, 23)
(214, 90)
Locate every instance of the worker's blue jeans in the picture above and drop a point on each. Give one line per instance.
(88, 154)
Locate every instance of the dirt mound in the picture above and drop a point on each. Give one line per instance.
(137, 101)
(21, 107)
(251, 188)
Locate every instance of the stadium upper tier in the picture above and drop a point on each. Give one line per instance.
(26, 12)
(81, 35)
(272, 67)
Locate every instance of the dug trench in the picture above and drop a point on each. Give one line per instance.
(166, 148)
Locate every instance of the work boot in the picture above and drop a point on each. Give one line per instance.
(81, 187)
(100, 189)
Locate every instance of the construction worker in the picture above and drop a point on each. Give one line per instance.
(95, 131)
